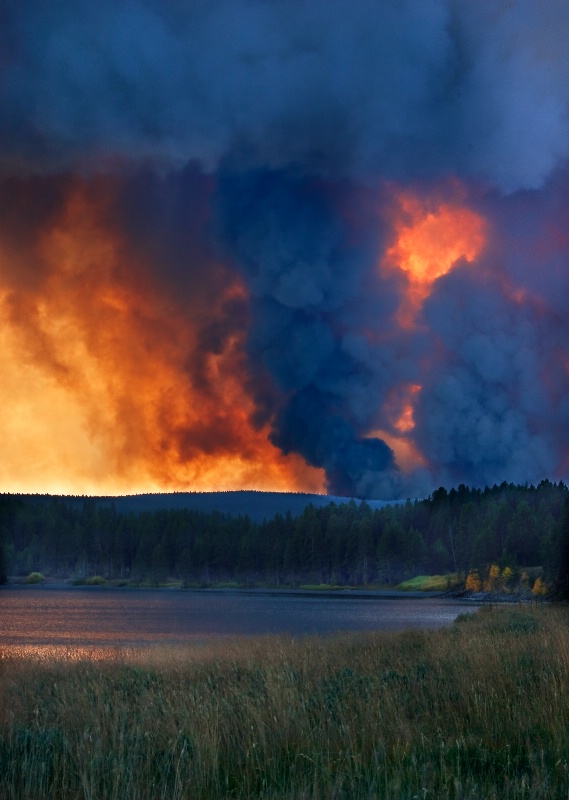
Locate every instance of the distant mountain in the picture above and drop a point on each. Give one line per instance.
(257, 505)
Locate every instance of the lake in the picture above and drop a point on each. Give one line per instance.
(38, 617)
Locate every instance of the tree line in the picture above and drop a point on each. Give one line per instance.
(452, 531)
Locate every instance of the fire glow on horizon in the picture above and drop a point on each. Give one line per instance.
(299, 247)
(100, 398)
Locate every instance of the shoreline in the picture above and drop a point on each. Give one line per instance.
(356, 593)
(347, 593)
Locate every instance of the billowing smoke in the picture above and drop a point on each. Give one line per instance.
(279, 240)
(307, 284)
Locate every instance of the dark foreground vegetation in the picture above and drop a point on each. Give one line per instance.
(478, 710)
(458, 531)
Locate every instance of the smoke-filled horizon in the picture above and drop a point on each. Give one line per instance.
(291, 246)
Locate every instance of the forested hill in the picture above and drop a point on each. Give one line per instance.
(347, 543)
(258, 506)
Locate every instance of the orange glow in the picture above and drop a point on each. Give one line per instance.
(407, 455)
(106, 387)
(399, 407)
(405, 422)
(429, 240)
(399, 411)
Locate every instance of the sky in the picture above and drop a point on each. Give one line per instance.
(292, 246)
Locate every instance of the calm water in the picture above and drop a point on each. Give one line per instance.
(37, 617)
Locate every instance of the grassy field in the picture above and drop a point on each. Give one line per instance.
(478, 710)
(430, 583)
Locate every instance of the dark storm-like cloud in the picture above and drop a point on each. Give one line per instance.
(397, 88)
(296, 81)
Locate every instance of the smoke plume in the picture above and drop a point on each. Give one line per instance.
(285, 245)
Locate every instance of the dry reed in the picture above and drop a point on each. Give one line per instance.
(478, 710)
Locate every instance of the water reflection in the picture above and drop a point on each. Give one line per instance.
(52, 653)
(77, 624)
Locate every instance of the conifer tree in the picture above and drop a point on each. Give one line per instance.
(6, 508)
(3, 571)
(561, 587)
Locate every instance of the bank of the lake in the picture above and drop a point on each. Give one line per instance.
(300, 591)
(474, 710)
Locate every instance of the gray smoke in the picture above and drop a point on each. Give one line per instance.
(296, 110)
(365, 89)
(293, 251)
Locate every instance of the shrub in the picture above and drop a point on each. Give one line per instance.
(95, 580)
(35, 577)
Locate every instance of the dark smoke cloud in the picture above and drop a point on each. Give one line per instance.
(495, 398)
(397, 88)
(292, 249)
(484, 413)
(310, 426)
(277, 118)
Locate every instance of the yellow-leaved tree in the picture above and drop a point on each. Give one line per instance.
(507, 578)
(473, 582)
(492, 582)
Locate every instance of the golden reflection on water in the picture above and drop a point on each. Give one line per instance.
(199, 649)
(54, 652)
(157, 655)
(72, 626)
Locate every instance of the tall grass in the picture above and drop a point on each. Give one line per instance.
(479, 710)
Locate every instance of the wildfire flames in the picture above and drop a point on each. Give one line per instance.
(104, 388)
(283, 246)
(430, 238)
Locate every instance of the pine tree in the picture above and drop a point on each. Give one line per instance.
(3, 570)
(7, 507)
(561, 587)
